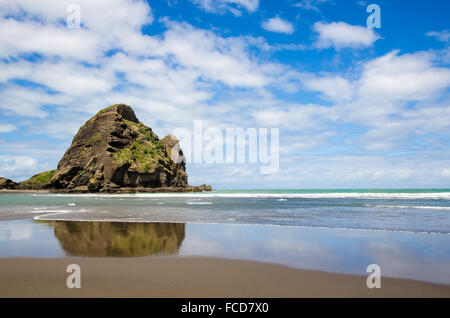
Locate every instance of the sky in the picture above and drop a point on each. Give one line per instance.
(356, 107)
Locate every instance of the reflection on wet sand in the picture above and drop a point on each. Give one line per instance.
(119, 238)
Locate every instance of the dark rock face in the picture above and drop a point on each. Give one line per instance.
(7, 184)
(114, 150)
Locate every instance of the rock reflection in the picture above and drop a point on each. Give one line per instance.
(120, 239)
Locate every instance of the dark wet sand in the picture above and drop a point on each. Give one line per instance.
(191, 277)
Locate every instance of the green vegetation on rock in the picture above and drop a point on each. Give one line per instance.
(39, 181)
(104, 110)
(143, 154)
(94, 139)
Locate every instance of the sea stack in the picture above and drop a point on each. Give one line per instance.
(115, 152)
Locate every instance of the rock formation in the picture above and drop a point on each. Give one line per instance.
(37, 182)
(7, 184)
(113, 151)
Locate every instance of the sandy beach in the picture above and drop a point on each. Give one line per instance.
(191, 277)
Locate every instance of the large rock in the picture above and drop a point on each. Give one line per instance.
(7, 184)
(114, 150)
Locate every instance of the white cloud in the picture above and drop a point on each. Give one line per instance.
(187, 73)
(222, 59)
(222, 6)
(405, 77)
(294, 117)
(341, 35)
(308, 170)
(47, 40)
(442, 36)
(310, 4)
(26, 102)
(15, 165)
(106, 25)
(335, 88)
(278, 25)
(5, 128)
(378, 98)
(175, 72)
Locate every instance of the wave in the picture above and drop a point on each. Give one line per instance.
(199, 203)
(328, 195)
(407, 207)
(52, 212)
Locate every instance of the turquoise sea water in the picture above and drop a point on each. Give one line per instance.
(410, 210)
(337, 191)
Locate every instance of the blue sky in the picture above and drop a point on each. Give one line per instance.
(356, 107)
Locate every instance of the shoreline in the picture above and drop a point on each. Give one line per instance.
(23, 191)
(201, 188)
(167, 276)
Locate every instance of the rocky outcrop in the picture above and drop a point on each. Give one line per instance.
(37, 182)
(7, 184)
(115, 152)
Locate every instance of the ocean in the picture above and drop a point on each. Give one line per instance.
(403, 210)
(405, 232)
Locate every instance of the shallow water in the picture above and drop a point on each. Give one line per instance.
(400, 254)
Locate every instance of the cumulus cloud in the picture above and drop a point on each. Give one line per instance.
(334, 88)
(403, 77)
(158, 75)
(16, 165)
(379, 96)
(342, 35)
(180, 71)
(278, 25)
(52, 82)
(106, 25)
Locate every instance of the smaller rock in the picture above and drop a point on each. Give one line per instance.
(7, 184)
(204, 187)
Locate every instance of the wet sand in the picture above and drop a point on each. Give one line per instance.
(191, 277)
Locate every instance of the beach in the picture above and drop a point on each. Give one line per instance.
(191, 277)
(226, 244)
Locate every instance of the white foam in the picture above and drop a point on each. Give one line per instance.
(331, 195)
(199, 203)
(52, 211)
(408, 207)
